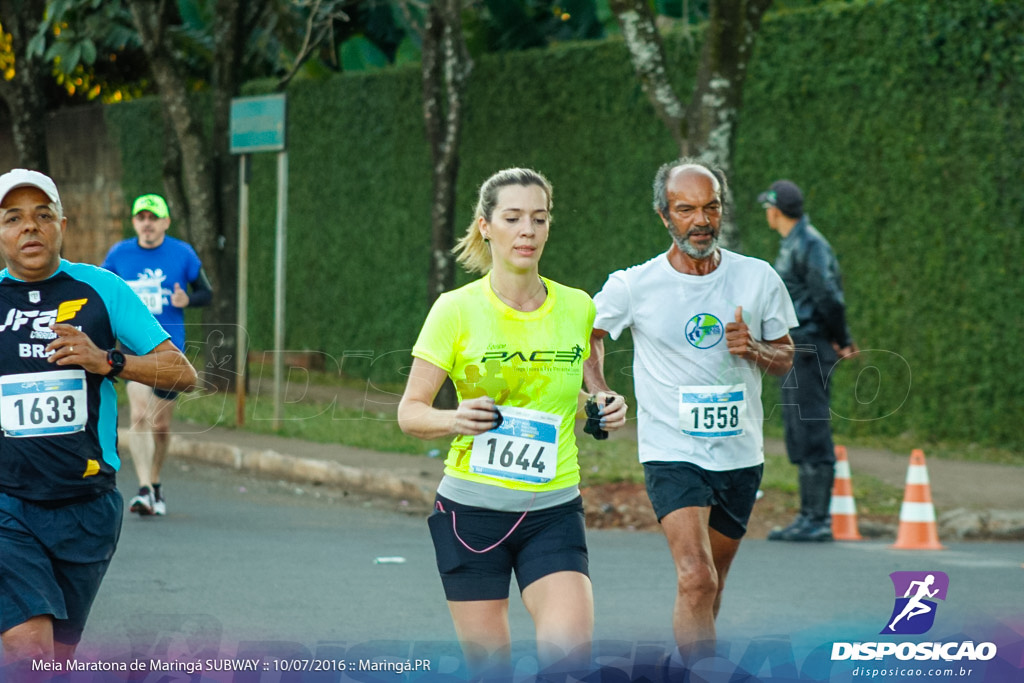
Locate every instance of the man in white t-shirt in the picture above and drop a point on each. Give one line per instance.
(706, 324)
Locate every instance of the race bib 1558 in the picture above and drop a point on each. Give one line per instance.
(713, 411)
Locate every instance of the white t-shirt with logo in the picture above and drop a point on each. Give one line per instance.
(696, 402)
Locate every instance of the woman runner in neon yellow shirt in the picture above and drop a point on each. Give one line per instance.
(513, 343)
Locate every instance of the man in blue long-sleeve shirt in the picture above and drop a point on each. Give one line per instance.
(810, 270)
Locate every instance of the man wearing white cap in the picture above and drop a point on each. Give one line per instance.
(60, 511)
(161, 270)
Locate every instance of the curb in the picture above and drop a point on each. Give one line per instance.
(308, 470)
(959, 524)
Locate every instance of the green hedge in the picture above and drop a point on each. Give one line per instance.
(899, 119)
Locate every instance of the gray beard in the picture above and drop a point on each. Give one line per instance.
(692, 251)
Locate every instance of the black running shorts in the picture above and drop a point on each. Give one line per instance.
(730, 494)
(543, 542)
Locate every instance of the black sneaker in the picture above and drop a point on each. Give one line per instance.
(787, 533)
(813, 532)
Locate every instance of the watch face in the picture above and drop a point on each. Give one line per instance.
(116, 360)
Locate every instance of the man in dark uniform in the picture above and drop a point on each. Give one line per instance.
(60, 512)
(810, 270)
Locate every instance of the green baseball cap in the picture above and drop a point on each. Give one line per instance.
(153, 203)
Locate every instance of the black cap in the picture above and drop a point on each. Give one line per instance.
(785, 196)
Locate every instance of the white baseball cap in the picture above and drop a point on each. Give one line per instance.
(22, 177)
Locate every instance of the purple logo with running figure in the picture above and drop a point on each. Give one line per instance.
(916, 592)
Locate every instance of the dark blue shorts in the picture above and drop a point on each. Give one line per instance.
(546, 541)
(165, 395)
(52, 560)
(730, 494)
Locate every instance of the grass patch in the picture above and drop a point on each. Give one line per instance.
(611, 461)
(872, 495)
(310, 420)
(322, 378)
(966, 452)
(970, 452)
(607, 462)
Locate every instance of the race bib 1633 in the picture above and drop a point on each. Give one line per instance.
(43, 403)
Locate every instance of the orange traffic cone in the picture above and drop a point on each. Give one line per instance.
(843, 508)
(918, 530)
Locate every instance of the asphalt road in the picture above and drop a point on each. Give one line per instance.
(240, 561)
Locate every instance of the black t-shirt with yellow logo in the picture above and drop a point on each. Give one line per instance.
(59, 423)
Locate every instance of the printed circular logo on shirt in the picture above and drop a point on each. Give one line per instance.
(704, 331)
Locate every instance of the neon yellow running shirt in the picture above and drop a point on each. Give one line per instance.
(528, 360)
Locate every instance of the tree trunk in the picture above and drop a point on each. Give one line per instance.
(647, 53)
(171, 173)
(706, 126)
(25, 94)
(227, 66)
(202, 187)
(446, 67)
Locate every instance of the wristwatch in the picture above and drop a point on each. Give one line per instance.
(115, 359)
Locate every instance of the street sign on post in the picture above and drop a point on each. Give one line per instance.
(258, 125)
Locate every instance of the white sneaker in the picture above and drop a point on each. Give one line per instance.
(142, 503)
(159, 507)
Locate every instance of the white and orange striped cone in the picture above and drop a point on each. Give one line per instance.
(843, 508)
(918, 530)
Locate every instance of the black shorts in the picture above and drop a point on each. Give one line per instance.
(165, 395)
(730, 494)
(52, 560)
(544, 542)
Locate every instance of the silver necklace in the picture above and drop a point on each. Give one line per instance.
(516, 304)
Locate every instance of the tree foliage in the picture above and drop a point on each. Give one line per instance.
(20, 87)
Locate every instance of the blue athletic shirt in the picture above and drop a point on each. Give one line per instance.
(59, 438)
(152, 273)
